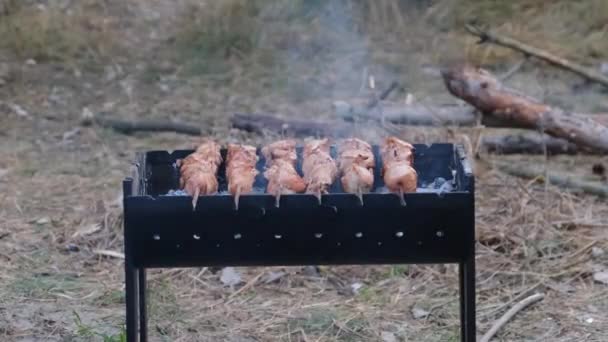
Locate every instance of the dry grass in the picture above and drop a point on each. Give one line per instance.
(577, 30)
(51, 33)
(397, 31)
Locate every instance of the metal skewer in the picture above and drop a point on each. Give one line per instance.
(360, 195)
(402, 198)
(277, 197)
(237, 195)
(318, 196)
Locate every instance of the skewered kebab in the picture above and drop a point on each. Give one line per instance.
(240, 170)
(198, 171)
(356, 164)
(281, 171)
(318, 167)
(398, 171)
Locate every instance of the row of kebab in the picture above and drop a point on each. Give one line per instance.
(354, 167)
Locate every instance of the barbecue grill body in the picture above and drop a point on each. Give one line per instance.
(164, 231)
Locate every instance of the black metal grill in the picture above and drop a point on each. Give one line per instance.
(433, 226)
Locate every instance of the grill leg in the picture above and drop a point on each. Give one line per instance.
(143, 314)
(466, 272)
(132, 301)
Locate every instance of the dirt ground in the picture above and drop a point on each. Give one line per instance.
(60, 201)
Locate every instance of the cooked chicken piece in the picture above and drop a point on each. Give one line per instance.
(356, 176)
(200, 183)
(210, 151)
(240, 169)
(319, 168)
(354, 144)
(283, 179)
(198, 171)
(364, 158)
(281, 171)
(400, 177)
(190, 168)
(395, 149)
(282, 149)
(398, 171)
(356, 164)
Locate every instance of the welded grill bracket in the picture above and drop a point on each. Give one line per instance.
(163, 231)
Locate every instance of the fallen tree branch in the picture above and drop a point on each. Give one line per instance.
(528, 143)
(259, 123)
(487, 36)
(509, 314)
(563, 180)
(483, 91)
(130, 127)
(425, 115)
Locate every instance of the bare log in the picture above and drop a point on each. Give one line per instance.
(573, 182)
(487, 36)
(482, 90)
(425, 115)
(417, 115)
(528, 143)
(130, 127)
(259, 123)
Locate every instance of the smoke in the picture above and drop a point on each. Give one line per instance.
(320, 52)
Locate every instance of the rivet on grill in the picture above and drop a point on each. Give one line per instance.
(156, 237)
(237, 236)
(178, 246)
(338, 244)
(278, 237)
(196, 237)
(399, 234)
(359, 235)
(318, 235)
(218, 245)
(379, 243)
(440, 233)
(419, 243)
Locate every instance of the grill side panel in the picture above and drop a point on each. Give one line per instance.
(430, 229)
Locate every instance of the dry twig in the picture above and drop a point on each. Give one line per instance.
(509, 314)
(246, 287)
(487, 36)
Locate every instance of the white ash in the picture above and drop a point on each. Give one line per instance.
(177, 193)
(438, 185)
(172, 192)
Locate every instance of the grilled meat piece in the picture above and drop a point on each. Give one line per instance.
(281, 171)
(282, 149)
(240, 168)
(398, 171)
(198, 171)
(356, 163)
(283, 179)
(395, 149)
(319, 168)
